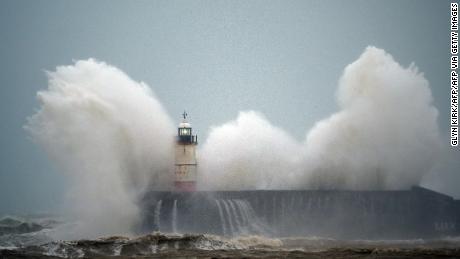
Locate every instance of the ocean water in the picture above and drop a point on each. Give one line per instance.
(41, 237)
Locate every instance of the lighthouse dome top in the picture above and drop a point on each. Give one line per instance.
(184, 124)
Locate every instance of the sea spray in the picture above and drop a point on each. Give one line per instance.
(113, 139)
(385, 136)
(110, 136)
(248, 153)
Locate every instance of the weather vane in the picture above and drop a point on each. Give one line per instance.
(184, 115)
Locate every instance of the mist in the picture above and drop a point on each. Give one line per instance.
(385, 136)
(113, 139)
(248, 153)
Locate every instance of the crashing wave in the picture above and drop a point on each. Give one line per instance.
(14, 225)
(41, 230)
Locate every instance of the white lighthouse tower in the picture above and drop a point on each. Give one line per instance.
(185, 171)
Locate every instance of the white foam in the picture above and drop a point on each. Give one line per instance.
(384, 136)
(110, 136)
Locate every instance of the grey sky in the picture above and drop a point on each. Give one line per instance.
(213, 58)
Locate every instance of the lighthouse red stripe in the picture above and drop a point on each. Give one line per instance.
(185, 186)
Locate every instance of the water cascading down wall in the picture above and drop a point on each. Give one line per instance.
(340, 214)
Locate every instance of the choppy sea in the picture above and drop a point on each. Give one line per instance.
(42, 237)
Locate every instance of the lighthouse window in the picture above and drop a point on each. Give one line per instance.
(184, 131)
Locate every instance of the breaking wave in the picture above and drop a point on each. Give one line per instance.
(113, 139)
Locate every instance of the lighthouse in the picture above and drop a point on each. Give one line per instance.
(185, 163)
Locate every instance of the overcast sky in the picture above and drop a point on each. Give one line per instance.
(212, 58)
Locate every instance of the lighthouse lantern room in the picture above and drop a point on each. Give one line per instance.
(186, 165)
